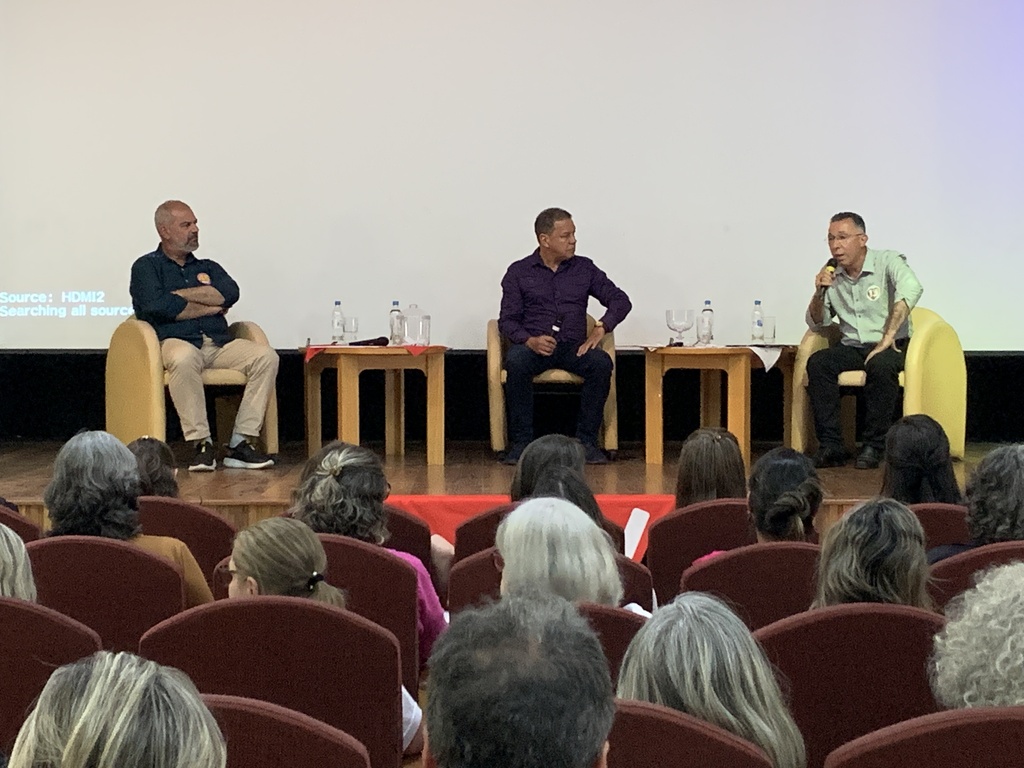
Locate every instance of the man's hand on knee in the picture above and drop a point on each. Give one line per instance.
(883, 345)
(542, 345)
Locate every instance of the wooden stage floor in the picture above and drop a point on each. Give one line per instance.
(244, 496)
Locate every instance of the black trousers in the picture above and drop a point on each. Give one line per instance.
(522, 364)
(881, 390)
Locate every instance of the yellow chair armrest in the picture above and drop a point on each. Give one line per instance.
(246, 329)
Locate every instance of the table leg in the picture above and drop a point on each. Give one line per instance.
(348, 399)
(655, 414)
(314, 414)
(394, 412)
(710, 397)
(738, 374)
(435, 409)
(787, 402)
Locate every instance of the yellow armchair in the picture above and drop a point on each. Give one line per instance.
(136, 379)
(496, 374)
(934, 382)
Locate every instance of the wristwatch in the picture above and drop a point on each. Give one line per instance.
(599, 324)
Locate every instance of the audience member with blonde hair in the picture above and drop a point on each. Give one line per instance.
(158, 469)
(15, 568)
(696, 656)
(710, 467)
(550, 545)
(342, 491)
(114, 710)
(95, 492)
(977, 659)
(874, 554)
(282, 556)
(785, 494)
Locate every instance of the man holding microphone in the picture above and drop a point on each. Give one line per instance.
(870, 294)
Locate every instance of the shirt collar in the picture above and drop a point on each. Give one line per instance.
(868, 267)
(536, 261)
(189, 257)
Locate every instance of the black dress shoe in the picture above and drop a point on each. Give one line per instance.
(511, 456)
(829, 456)
(869, 458)
(594, 454)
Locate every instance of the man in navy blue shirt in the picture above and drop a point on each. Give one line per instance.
(186, 299)
(544, 316)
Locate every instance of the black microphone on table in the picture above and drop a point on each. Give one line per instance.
(380, 341)
(830, 266)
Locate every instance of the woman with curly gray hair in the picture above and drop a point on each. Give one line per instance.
(94, 492)
(977, 655)
(995, 502)
(342, 491)
(696, 656)
(874, 554)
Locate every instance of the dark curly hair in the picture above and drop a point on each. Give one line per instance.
(542, 454)
(785, 494)
(156, 467)
(342, 490)
(95, 488)
(995, 497)
(918, 467)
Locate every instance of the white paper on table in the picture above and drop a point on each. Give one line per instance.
(634, 530)
(769, 355)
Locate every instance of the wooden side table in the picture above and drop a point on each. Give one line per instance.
(394, 361)
(737, 363)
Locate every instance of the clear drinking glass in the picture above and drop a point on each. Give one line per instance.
(680, 321)
(351, 328)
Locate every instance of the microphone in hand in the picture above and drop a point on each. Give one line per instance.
(830, 267)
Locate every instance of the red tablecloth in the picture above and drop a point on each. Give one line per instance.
(444, 513)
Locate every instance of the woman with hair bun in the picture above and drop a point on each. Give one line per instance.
(785, 494)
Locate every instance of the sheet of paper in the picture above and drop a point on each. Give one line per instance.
(634, 530)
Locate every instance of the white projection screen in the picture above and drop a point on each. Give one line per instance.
(370, 150)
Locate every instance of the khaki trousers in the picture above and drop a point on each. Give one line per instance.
(185, 364)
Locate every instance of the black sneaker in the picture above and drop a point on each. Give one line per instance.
(869, 458)
(830, 456)
(594, 454)
(245, 456)
(204, 460)
(511, 456)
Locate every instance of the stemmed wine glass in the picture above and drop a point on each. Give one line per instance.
(679, 320)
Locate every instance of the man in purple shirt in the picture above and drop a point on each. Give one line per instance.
(544, 316)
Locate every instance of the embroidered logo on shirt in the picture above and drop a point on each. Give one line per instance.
(872, 293)
(203, 278)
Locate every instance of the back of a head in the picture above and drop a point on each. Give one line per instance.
(710, 467)
(561, 482)
(995, 496)
(157, 467)
(696, 656)
(284, 557)
(543, 454)
(785, 494)
(115, 710)
(550, 545)
(918, 465)
(518, 684)
(874, 554)
(15, 567)
(977, 655)
(95, 488)
(342, 490)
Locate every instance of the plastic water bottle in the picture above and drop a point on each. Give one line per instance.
(706, 325)
(337, 323)
(417, 326)
(757, 323)
(396, 325)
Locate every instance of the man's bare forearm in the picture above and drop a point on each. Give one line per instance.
(203, 294)
(897, 317)
(816, 309)
(193, 310)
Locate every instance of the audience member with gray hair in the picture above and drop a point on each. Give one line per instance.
(551, 545)
(15, 568)
(696, 656)
(342, 491)
(977, 659)
(995, 502)
(112, 710)
(94, 492)
(874, 554)
(519, 684)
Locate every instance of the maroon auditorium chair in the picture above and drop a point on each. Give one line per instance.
(21, 525)
(474, 580)
(956, 574)
(34, 641)
(330, 664)
(410, 534)
(943, 523)
(615, 628)
(477, 533)
(264, 735)
(207, 535)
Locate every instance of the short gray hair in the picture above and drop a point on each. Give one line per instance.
(874, 554)
(15, 567)
(977, 655)
(995, 496)
(696, 656)
(95, 488)
(551, 545)
(111, 710)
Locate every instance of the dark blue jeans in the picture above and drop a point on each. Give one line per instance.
(522, 364)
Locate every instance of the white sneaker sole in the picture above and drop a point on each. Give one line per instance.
(203, 467)
(239, 464)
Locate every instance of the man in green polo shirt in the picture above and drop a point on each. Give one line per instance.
(870, 294)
